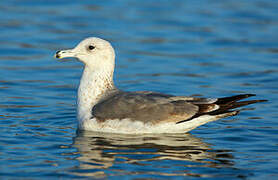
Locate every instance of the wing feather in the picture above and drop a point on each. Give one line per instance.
(144, 107)
(152, 107)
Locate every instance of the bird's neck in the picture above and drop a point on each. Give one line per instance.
(93, 84)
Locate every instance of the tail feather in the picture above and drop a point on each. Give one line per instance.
(225, 106)
(235, 98)
(230, 105)
(244, 103)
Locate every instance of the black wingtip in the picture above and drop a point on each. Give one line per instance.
(242, 96)
(235, 98)
(249, 95)
(262, 100)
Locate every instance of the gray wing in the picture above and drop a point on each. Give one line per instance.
(147, 106)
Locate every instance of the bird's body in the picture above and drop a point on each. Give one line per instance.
(103, 107)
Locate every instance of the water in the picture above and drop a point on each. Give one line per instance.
(206, 48)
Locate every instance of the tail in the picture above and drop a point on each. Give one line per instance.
(227, 104)
(223, 107)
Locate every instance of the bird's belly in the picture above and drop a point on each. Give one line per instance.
(128, 126)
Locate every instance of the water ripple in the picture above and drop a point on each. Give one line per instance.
(207, 48)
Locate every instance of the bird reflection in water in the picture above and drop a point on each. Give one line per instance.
(103, 154)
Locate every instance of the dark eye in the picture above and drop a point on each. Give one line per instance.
(91, 47)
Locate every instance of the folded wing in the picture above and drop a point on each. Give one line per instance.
(152, 107)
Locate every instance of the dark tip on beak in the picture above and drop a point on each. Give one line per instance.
(57, 54)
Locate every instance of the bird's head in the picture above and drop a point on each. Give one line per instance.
(93, 52)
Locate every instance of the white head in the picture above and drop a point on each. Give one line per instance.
(95, 53)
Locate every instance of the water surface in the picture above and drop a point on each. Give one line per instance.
(202, 48)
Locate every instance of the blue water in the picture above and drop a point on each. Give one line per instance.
(204, 48)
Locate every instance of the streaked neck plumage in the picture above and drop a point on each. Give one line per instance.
(93, 85)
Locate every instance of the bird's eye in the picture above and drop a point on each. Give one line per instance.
(91, 47)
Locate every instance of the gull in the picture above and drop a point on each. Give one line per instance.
(102, 107)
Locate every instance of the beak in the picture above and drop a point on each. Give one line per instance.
(64, 54)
